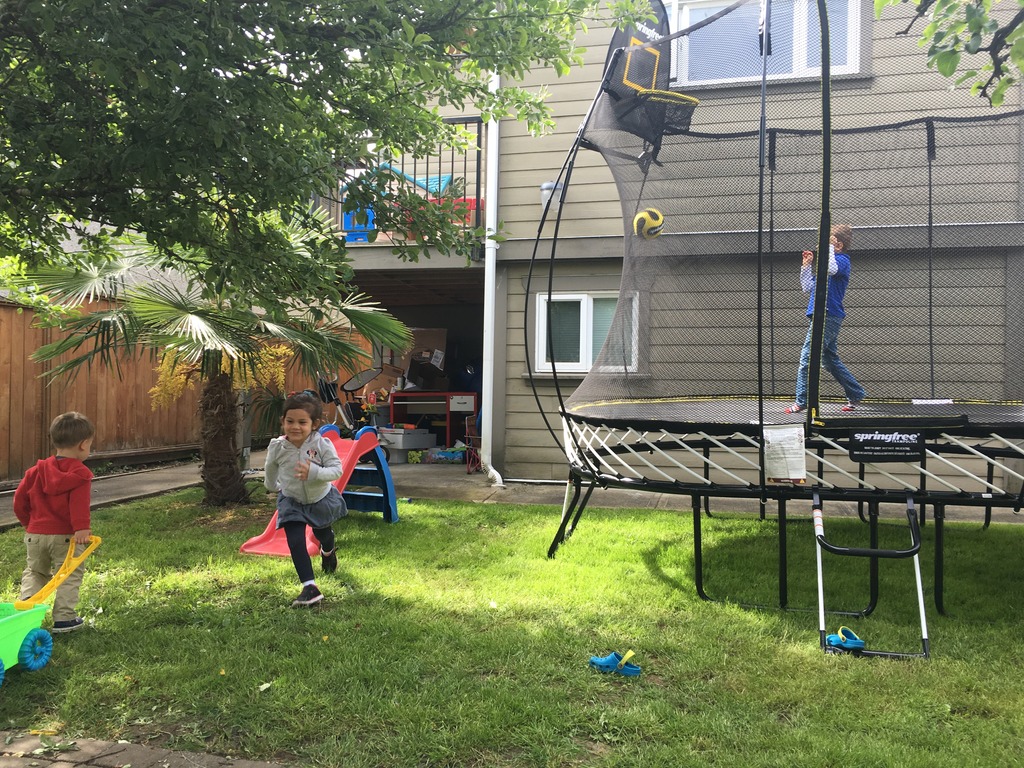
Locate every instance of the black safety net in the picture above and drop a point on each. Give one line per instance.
(711, 317)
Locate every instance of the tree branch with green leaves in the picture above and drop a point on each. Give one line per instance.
(975, 41)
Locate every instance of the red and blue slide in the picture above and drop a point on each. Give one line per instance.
(375, 473)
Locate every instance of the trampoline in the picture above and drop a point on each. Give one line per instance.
(689, 391)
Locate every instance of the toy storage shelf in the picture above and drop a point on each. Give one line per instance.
(409, 406)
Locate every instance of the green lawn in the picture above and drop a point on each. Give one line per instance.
(450, 639)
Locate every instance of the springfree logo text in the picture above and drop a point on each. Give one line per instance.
(652, 34)
(886, 445)
(888, 437)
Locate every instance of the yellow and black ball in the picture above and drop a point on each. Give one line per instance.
(648, 224)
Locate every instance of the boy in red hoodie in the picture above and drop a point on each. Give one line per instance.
(52, 503)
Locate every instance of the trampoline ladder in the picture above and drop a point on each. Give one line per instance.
(874, 553)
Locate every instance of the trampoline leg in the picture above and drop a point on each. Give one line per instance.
(580, 507)
(572, 495)
(990, 476)
(707, 478)
(698, 559)
(572, 503)
(783, 557)
(873, 562)
(940, 519)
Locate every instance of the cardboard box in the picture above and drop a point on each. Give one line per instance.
(426, 341)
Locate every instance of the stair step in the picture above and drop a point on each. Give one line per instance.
(364, 501)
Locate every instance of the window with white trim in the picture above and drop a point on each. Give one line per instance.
(795, 41)
(580, 323)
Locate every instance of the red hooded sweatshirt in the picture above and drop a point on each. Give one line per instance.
(53, 497)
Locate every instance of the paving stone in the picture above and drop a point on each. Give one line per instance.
(134, 755)
(200, 760)
(86, 750)
(10, 761)
(20, 742)
(108, 754)
(196, 760)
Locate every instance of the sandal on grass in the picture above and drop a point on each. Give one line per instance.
(615, 662)
(846, 639)
(605, 663)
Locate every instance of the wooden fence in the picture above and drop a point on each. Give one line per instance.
(119, 406)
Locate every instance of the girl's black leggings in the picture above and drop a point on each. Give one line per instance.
(295, 533)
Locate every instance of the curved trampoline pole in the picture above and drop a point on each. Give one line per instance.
(564, 176)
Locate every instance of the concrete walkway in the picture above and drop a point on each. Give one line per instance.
(412, 481)
(21, 750)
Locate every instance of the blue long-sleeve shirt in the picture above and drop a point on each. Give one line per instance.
(838, 281)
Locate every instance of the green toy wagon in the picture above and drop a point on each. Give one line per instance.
(22, 641)
(22, 638)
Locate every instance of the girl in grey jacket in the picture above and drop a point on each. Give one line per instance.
(302, 466)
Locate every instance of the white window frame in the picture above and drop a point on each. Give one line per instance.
(679, 14)
(586, 302)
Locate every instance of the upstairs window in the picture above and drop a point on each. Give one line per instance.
(795, 41)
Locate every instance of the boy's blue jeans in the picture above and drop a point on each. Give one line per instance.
(830, 362)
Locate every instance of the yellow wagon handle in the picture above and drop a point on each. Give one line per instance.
(67, 568)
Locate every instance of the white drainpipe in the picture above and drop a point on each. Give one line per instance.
(490, 290)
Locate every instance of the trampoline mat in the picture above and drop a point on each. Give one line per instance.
(727, 415)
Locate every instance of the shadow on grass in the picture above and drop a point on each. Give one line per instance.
(741, 565)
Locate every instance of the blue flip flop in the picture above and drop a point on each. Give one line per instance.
(617, 663)
(846, 639)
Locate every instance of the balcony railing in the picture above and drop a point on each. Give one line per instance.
(449, 173)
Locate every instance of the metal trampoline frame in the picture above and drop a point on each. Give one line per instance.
(627, 457)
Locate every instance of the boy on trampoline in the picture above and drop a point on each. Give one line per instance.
(301, 466)
(841, 236)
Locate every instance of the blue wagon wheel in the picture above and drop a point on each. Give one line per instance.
(1, 673)
(35, 649)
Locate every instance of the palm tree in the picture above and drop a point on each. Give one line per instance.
(173, 313)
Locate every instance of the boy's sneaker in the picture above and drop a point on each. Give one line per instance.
(329, 560)
(795, 408)
(309, 595)
(68, 626)
(851, 406)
